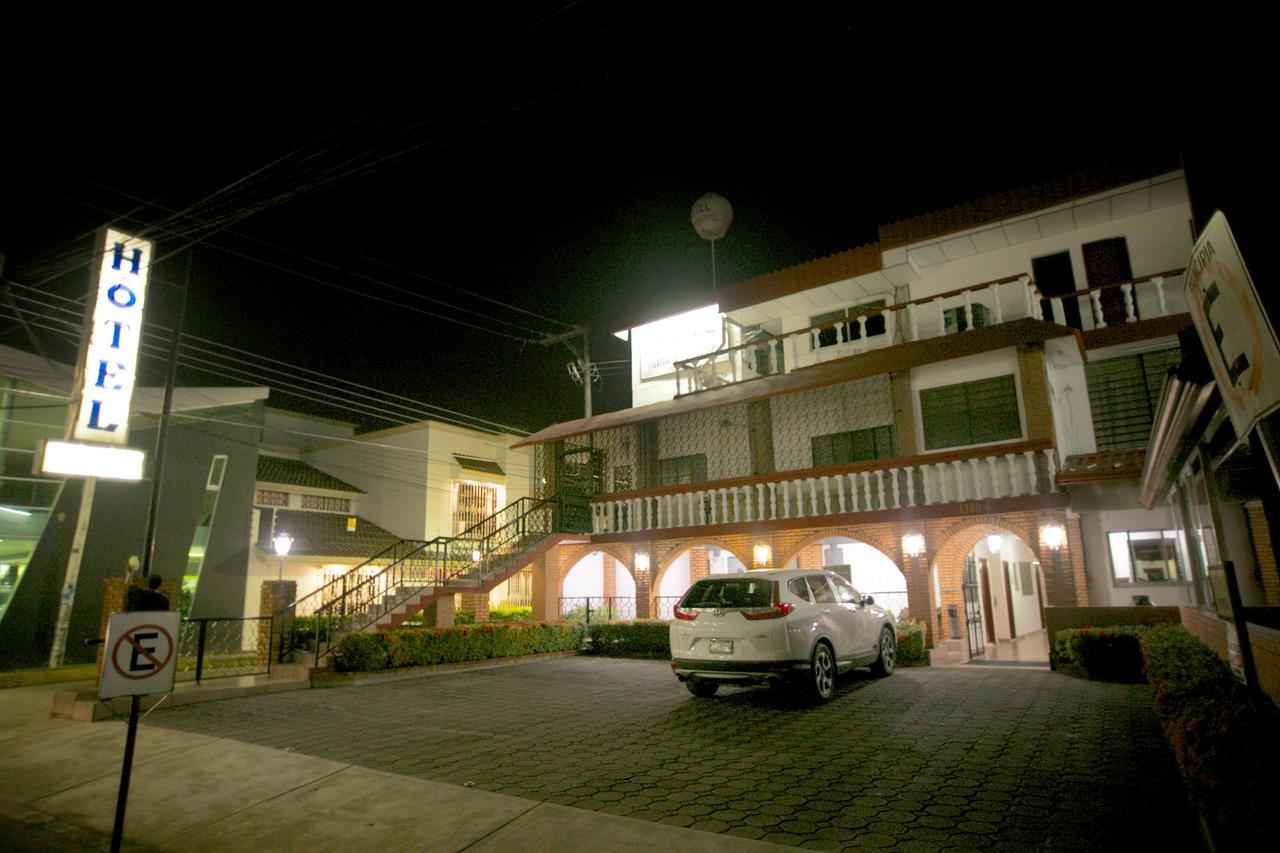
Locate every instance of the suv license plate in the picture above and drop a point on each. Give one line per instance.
(722, 647)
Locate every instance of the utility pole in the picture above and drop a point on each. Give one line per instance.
(582, 359)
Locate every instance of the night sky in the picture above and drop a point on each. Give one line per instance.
(548, 159)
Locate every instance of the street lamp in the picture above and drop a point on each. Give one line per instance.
(282, 542)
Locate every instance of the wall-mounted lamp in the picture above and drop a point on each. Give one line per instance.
(642, 561)
(1054, 536)
(994, 542)
(913, 544)
(761, 556)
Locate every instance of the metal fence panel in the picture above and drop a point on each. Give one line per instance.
(223, 648)
(588, 609)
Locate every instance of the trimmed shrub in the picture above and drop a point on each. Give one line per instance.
(911, 643)
(1101, 654)
(426, 646)
(360, 652)
(1226, 747)
(464, 617)
(630, 639)
(510, 614)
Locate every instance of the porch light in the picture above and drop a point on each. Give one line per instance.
(1054, 536)
(913, 544)
(994, 541)
(761, 555)
(642, 561)
(282, 543)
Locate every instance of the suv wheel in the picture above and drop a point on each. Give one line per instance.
(702, 689)
(888, 653)
(822, 673)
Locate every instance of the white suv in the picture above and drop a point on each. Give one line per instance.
(764, 627)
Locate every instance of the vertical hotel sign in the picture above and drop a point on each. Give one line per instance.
(109, 368)
(1233, 327)
(98, 423)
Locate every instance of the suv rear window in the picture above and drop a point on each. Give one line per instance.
(730, 592)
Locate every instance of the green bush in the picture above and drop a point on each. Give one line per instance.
(300, 634)
(1101, 654)
(911, 642)
(630, 639)
(360, 652)
(426, 646)
(1226, 747)
(510, 614)
(464, 617)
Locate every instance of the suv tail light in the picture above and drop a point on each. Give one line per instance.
(777, 611)
(686, 615)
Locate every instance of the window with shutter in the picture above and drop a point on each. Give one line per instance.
(971, 413)
(862, 445)
(1123, 393)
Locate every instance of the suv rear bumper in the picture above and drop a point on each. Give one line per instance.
(735, 671)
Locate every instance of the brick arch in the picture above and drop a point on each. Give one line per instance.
(970, 531)
(618, 551)
(854, 533)
(677, 550)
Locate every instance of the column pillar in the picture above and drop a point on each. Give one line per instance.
(699, 565)
(610, 577)
(272, 597)
(477, 603)
(546, 586)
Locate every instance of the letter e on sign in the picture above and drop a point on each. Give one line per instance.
(141, 653)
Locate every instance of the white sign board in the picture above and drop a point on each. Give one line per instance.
(655, 346)
(110, 364)
(1233, 327)
(141, 653)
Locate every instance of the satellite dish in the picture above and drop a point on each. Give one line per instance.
(712, 215)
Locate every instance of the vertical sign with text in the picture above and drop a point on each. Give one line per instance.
(109, 368)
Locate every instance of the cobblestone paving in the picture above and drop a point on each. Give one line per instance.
(951, 758)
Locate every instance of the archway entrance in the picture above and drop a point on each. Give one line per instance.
(869, 569)
(692, 564)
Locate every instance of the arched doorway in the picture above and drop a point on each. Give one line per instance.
(990, 588)
(598, 587)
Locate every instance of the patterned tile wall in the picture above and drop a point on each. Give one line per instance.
(797, 418)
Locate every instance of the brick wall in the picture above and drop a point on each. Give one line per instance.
(904, 413)
(1265, 642)
(1035, 392)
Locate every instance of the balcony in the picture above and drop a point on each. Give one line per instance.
(953, 313)
(1013, 470)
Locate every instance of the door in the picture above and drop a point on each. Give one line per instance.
(1107, 262)
(862, 625)
(838, 623)
(760, 436)
(984, 580)
(973, 609)
(579, 475)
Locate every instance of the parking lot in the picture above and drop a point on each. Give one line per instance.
(940, 757)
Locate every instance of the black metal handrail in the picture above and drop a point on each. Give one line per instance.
(361, 596)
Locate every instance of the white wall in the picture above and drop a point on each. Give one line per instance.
(391, 467)
(1069, 398)
(677, 579)
(1103, 590)
(586, 579)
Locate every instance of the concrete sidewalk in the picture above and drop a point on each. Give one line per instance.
(58, 782)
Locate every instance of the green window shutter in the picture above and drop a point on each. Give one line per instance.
(1123, 393)
(971, 413)
(822, 451)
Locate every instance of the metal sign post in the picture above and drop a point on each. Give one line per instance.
(141, 658)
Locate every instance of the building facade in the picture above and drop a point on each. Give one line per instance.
(958, 414)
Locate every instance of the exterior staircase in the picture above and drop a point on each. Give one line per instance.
(395, 584)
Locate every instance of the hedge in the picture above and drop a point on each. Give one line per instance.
(362, 652)
(1102, 654)
(630, 639)
(911, 643)
(1226, 747)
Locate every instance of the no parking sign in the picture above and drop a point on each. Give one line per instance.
(142, 653)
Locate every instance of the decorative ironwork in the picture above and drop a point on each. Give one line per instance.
(223, 648)
(587, 609)
(973, 609)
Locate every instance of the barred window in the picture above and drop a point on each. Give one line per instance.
(1123, 393)
(326, 504)
(860, 445)
(970, 413)
(270, 497)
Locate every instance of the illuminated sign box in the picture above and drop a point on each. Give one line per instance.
(109, 368)
(73, 459)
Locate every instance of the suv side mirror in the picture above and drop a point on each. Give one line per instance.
(866, 599)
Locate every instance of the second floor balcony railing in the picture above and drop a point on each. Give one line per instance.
(1009, 470)
(954, 312)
